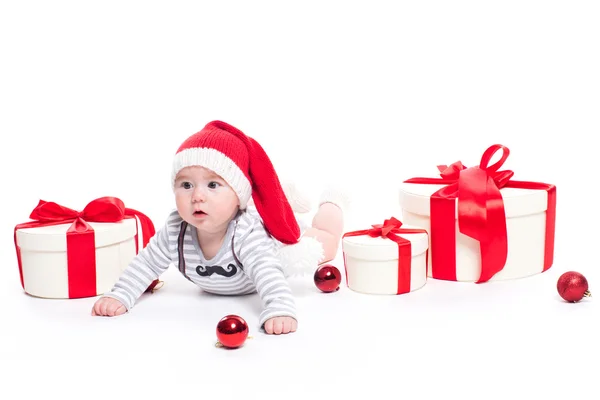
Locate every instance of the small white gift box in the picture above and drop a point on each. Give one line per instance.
(382, 260)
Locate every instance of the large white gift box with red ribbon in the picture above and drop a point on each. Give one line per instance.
(483, 226)
(389, 258)
(66, 254)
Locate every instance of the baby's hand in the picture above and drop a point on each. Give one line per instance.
(108, 307)
(280, 325)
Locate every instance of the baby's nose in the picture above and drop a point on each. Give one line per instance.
(199, 194)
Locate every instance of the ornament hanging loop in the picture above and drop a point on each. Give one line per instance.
(157, 287)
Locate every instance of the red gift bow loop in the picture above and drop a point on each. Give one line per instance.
(81, 254)
(489, 153)
(481, 214)
(389, 225)
(390, 230)
(452, 171)
(103, 209)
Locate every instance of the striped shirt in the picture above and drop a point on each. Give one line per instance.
(245, 263)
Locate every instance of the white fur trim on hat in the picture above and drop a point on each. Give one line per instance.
(301, 258)
(220, 164)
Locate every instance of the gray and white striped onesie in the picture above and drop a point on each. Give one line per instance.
(260, 270)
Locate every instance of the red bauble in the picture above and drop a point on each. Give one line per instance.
(153, 286)
(232, 331)
(572, 286)
(328, 278)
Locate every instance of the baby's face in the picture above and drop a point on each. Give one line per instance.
(204, 199)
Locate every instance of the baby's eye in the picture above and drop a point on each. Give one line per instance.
(213, 185)
(186, 185)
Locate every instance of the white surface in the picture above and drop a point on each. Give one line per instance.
(44, 256)
(96, 98)
(525, 212)
(372, 262)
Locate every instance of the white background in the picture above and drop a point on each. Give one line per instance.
(95, 98)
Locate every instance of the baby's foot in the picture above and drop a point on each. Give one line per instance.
(299, 202)
(337, 196)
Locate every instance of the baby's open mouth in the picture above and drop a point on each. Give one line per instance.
(198, 213)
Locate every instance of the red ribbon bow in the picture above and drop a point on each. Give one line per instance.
(480, 214)
(81, 251)
(390, 230)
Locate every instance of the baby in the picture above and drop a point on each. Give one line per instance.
(220, 244)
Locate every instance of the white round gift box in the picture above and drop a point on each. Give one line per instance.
(525, 211)
(372, 262)
(44, 256)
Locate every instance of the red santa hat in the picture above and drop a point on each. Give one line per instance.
(244, 165)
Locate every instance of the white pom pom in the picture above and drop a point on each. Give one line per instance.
(301, 258)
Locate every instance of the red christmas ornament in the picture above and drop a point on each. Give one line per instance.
(154, 286)
(328, 278)
(232, 331)
(573, 286)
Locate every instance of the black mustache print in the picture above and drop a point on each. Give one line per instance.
(216, 269)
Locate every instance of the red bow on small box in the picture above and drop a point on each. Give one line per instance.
(390, 230)
(81, 250)
(480, 214)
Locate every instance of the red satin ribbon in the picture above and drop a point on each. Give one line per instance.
(480, 214)
(81, 250)
(389, 229)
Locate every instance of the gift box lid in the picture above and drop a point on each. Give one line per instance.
(415, 198)
(366, 247)
(54, 238)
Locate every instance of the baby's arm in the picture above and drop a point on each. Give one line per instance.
(257, 255)
(147, 266)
